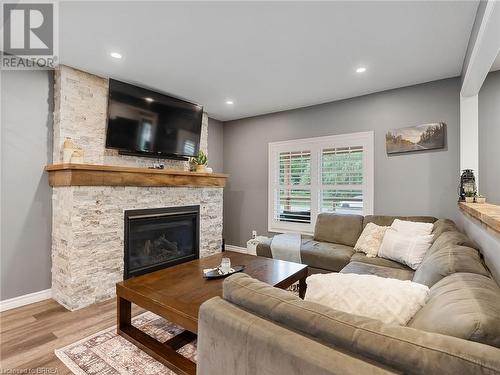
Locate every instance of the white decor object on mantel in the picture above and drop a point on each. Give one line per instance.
(391, 301)
(68, 147)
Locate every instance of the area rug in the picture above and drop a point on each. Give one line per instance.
(106, 353)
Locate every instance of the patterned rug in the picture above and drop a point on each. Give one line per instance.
(106, 353)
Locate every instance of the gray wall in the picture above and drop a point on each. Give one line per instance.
(26, 199)
(410, 184)
(215, 149)
(489, 138)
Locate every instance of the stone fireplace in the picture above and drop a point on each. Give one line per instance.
(160, 237)
(88, 226)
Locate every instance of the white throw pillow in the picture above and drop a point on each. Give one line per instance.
(391, 301)
(412, 227)
(404, 248)
(370, 240)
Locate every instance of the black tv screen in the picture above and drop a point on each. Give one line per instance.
(148, 123)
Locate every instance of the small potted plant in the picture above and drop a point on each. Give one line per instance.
(469, 197)
(200, 162)
(480, 198)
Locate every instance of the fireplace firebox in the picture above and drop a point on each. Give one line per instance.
(159, 238)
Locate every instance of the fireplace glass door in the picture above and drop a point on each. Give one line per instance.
(159, 238)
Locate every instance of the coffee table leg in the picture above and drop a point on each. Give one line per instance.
(163, 352)
(124, 313)
(302, 287)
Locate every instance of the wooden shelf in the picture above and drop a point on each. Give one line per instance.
(110, 175)
(486, 213)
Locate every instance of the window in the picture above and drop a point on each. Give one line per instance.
(314, 175)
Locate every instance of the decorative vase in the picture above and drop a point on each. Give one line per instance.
(77, 156)
(480, 199)
(68, 148)
(67, 154)
(469, 199)
(201, 168)
(68, 143)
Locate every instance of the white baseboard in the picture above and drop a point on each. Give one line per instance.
(237, 249)
(12, 303)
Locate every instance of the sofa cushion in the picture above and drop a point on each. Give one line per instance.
(446, 261)
(443, 225)
(408, 350)
(384, 220)
(451, 238)
(324, 255)
(377, 270)
(464, 305)
(338, 228)
(360, 257)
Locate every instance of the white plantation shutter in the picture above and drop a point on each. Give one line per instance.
(342, 180)
(293, 193)
(314, 175)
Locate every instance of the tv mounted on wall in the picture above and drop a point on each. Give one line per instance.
(146, 123)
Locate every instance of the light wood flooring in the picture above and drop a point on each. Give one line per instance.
(29, 334)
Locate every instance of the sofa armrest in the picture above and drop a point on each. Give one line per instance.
(264, 248)
(234, 341)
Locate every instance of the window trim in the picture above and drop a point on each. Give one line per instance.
(315, 145)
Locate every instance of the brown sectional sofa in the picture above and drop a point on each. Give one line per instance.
(258, 329)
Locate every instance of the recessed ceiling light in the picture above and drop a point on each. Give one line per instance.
(361, 69)
(149, 99)
(229, 102)
(116, 55)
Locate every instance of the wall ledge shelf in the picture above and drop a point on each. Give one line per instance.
(110, 175)
(488, 214)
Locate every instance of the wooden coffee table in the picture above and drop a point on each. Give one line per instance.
(176, 294)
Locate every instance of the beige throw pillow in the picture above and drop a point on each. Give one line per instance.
(412, 228)
(404, 248)
(370, 240)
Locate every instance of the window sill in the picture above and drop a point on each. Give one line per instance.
(488, 214)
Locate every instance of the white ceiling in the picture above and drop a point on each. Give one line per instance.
(267, 56)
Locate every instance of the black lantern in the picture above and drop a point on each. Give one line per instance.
(467, 184)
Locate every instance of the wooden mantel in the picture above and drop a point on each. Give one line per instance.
(488, 214)
(110, 175)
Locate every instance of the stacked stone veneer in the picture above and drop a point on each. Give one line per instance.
(88, 221)
(80, 113)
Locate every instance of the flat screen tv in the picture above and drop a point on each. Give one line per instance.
(147, 123)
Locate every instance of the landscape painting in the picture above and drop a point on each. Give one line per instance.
(416, 138)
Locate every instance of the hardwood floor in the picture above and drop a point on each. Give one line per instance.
(29, 334)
